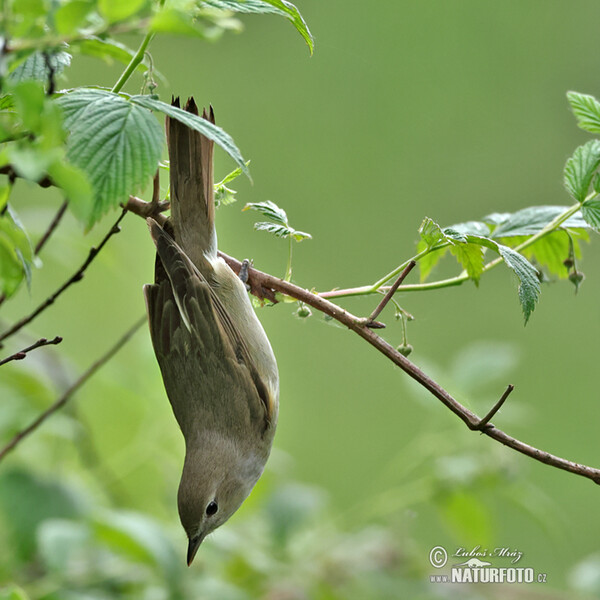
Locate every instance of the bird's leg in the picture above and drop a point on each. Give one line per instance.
(243, 274)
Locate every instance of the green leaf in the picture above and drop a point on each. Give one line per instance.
(280, 231)
(270, 210)
(107, 50)
(171, 20)
(277, 7)
(119, 10)
(297, 20)
(431, 233)
(211, 131)
(551, 250)
(76, 187)
(587, 111)
(580, 169)
(531, 220)
(470, 256)
(70, 16)
(36, 67)
(279, 225)
(529, 283)
(231, 176)
(590, 210)
(115, 142)
(16, 253)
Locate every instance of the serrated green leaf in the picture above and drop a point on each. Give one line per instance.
(590, 210)
(270, 210)
(431, 233)
(531, 220)
(472, 228)
(529, 283)
(587, 111)
(580, 169)
(224, 196)
(280, 231)
(551, 250)
(470, 256)
(430, 260)
(36, 67)
(115, 142)
(119, 10)
(297, 20)
(211, 131)
(244, 6)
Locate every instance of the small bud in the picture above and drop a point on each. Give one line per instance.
(576, 277)
(405, 349)
(568, 262)
(303, 311)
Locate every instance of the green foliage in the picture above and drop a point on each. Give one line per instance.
(16, 255)
(225, 196)
(581, 168)
(587, 111)
(468, 248)
(211, 131)
(278, 7)
(116, 142)
(278, 223)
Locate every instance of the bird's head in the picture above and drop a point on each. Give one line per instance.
(217, 477)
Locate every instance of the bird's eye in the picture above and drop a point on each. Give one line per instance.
(212, 508)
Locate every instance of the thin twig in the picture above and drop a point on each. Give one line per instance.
(496, 407)
(77, 276)
(51, 228)
(23, 353)
(259, 279)
(371, 320)
(72, 389)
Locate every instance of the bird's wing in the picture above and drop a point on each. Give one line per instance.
(182, 298)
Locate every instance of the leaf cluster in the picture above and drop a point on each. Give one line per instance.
(97, 145)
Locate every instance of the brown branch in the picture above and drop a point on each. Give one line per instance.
(51, 228)
(23, 353)
(77, 276)
(71, 390)
(483, 423)
(266, 286)
(388, 296)
(258, 279)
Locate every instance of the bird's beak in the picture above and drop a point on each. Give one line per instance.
(193, 546)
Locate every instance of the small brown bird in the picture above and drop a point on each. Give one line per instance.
(217, 365)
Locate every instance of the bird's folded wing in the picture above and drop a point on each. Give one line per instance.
(199, 310)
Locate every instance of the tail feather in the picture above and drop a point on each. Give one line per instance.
(192, 189)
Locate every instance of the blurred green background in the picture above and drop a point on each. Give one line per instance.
(450, 110)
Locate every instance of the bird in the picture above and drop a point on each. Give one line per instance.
(218, 368)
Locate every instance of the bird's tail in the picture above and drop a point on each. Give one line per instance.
(192, 188)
